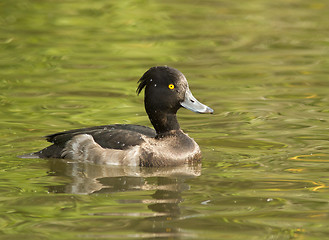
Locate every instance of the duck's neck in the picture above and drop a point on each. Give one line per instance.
(163, 122)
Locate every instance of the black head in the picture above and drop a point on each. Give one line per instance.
(167, 90)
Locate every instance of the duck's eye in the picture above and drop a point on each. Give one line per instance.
(171, 86)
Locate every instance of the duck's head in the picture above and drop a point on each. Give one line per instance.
(166, 89)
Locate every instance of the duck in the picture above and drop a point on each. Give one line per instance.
(166, 91)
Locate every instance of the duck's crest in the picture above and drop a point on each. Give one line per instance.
(144, 80)
(147, 77)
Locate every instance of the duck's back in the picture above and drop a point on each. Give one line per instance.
(118, 136)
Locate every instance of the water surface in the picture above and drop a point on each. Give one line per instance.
(261, 65)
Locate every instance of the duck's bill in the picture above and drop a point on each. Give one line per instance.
(191, 103)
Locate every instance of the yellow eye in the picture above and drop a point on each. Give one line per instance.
(171, 86)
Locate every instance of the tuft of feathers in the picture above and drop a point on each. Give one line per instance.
(147, 76)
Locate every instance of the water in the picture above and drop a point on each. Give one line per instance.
(261, 65)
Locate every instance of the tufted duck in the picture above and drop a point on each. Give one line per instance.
(166, 90)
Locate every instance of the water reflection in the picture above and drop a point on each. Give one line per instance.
(167, 183)
(89, 178)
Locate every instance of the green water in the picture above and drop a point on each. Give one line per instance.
(261, 65)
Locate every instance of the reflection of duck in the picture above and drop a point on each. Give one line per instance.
(166, 90)
(160, 189)
(90, 178)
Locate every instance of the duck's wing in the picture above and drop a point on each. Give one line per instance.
(107, 135)
(118, 136)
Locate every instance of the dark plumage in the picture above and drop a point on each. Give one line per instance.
(166, 90)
